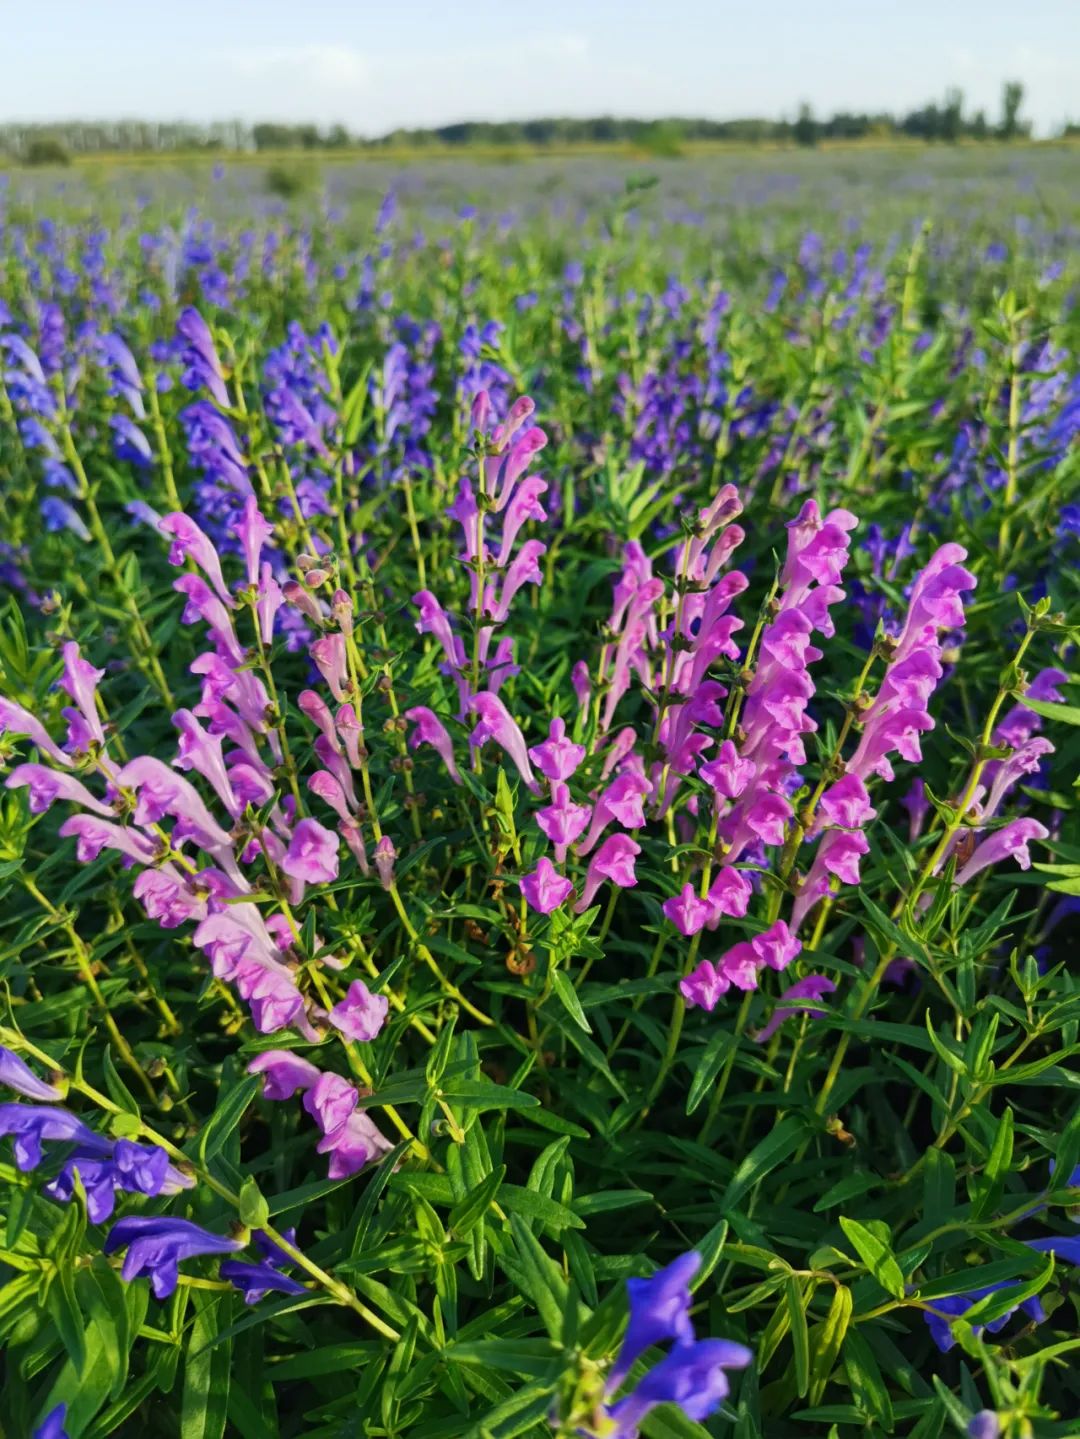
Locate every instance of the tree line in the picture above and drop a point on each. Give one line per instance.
(56, 142)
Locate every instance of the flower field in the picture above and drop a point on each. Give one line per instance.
(539, 850)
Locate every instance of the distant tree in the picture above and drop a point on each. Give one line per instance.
(977, 127)
(1012, 97)
(805, 129)
(952, 116)
(46, 150)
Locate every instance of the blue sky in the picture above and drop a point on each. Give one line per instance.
(413, 62)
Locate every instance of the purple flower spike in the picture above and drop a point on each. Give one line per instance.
(659, 1310)
(156, 1247)
(18, 1075)
(545, 889)
(361, 1014)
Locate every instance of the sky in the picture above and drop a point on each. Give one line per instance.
(376, 66)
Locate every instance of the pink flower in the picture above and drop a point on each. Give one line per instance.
(312, 854)
(80, 681)
(431, 730)
(729, 894)
(93, 835)
(323, 783)
(159, 790)
(328, 652)
(385, 855)
(847, 803)
(434, 621)
(614, 860)
(687, 911)
(766, 816)
(16, 720)
(350, 732)
(703, 987)
(623, 801)
(739, 965)
(202, 751)
(525, 570)
(361, 1014)
(189, 541)
(545, 889)
(557, 757)
(496, 723)
(1002, 774)
(167, 898)
(524, 506)
(726, 773)
(203, 604)
(48, 785)
(562, 820)
(268, 600)
(579, 678)
(283, 1073)
(317, 710)
(776, 946)
(1009, 842)
(253, 531)
(1021, 723)
(888, 732)
(812, 987)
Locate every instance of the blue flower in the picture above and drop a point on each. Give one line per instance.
(18, 1075)
(255, 1281)
(59, 515)
(692, 1376)
(156, 1246)
(52, 1426)
(659, 1310)
(31, 1124)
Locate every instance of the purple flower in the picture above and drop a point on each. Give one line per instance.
(659, 1310)
(312, 854)
(1009, 842)
(255, 1281)
(190, 542)
(812, 987)
(545, 888)
(984, 1425)
(18, 1075)
(704, 986)
(59, 515)
(384, 855)
(686, 911)
(48, 785)
(361, 1014)
(31, 1125)
(557, 758)
(16, 720)
(614, 860)
(496, 723)
(52, 1426)
(156, 1246)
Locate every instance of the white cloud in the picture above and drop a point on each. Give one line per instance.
(330, 65)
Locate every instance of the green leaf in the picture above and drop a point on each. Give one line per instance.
(464, 1217)
(538, 1206)
(529, 1357)
(877, 1255)
(783, 1140)
(543, 1280)
(567, 995)
(997, 1166)
(800, 1339)
(207, 1368)
(1064, 714)
(226, 1117)
(827, 1340)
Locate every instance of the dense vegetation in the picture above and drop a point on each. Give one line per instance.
(539, 727)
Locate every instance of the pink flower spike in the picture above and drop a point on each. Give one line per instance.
(283, 1073)
(776, 946)
(558, 757)
(614, 860)
(545, 889)
(253, 531)
(328, 652)
(191, 542)
(812, 987)
(497, 723)
(361, 1014)
(767, 815)
(686, 911)
(385, 855)
(1009, 842)
(16, 720)
(704, 986)
(431, 730)
(312, 855)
